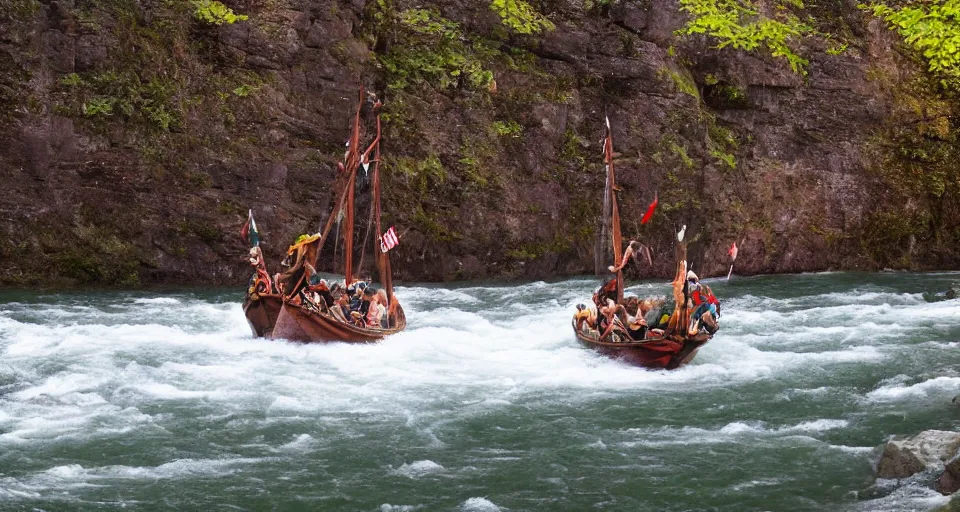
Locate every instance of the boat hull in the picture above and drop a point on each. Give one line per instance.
(262, 312)
(667, 353)
(296, 323)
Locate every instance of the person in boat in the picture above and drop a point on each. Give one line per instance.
(585, 318)
(341, 310)
(706, 311)
(636, 325)
(320, 291)
(336, 290)
(703, 318)
(367, 297)
(607, 291)
(373, 315)
(608, 321)
(693, 285)
(382, 306)
(634, 250)
(353, 297)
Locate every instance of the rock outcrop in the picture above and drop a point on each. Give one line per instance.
(936, 452)
(134, 137)
(949, 481)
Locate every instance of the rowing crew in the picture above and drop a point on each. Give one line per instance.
(358, 304)
(652, 318)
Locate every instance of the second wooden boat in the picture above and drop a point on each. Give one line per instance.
(676, 346)
(305, 320)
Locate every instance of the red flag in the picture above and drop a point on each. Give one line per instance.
(733, 251)
(649, 214)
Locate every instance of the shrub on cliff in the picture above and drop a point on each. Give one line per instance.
(740, 24)
(215, 13)
(933, 30)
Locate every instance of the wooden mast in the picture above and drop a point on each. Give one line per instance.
(383, 258)
(351, 161)
(365, 162)
(611, 206)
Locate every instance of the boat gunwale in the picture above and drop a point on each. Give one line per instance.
(322, 320)
(701, 339)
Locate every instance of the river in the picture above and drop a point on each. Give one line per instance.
(163, 400)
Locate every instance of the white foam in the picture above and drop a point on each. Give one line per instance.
(301, 443)
(71, 476)
(763, 482)
(478, 505)
(386, 507)
(418, 469)
(734, 432)
(945, 387)
(156, 300)
(908, 497)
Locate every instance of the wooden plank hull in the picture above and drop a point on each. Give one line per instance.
(667, 353)
(262, 313)
(296, 323)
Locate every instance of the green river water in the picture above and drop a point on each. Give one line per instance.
(164, 401)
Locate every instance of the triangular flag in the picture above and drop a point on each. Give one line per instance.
(653, 206)
(682, 232)
(249, 233)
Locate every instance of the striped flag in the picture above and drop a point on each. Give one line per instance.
(389, 240)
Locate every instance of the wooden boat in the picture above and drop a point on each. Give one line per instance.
(672, 350)
(663, 353)
(261, 304)
(301, 323)
(302, 320)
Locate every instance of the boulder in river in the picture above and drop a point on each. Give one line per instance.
(949, 481)
(929, 449)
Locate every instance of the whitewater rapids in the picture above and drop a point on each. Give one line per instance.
(486, 402)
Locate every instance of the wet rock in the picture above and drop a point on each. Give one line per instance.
(949, 481)
(929, 449)
(90, 53)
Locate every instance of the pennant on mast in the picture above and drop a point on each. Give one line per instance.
(249, 233)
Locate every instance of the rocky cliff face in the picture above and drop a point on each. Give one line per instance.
(135, 136)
